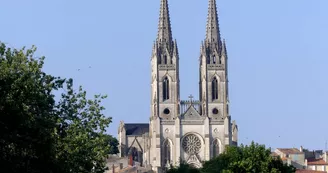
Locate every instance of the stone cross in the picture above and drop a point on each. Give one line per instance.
(191, 97)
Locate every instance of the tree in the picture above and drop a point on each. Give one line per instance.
(82, 142)
(26, 112)
(253, 158)
(41, 135)
(113, 143)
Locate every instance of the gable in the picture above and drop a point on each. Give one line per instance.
(135, 144)
(191, 114)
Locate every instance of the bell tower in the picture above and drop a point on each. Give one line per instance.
(164, 83)
(165, 69)
(213, 69)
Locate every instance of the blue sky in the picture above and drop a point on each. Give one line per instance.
(277, 57)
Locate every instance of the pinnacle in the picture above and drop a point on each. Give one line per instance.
(224, 48)
(164, 25)
(212, 27)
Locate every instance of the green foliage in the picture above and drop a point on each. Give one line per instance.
(81, 132)
(41, 135)
(27, 117)
(113, 143)
(254, 158)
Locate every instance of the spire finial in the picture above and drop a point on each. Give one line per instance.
(164, 25)
(224, 48)
(212, 27)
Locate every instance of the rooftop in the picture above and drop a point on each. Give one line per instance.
(129, 169)
(274, 154)
(314, 161)
(308, 171)
(289, 150)
(284, 159)
(136, 129)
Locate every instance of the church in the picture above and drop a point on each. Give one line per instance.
(189, 130)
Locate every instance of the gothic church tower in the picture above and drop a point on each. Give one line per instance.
(213, 69)
(165, 69)
(164, 83)
(190, 130)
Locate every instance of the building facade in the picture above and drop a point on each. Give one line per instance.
(189, 130)
(303, 159)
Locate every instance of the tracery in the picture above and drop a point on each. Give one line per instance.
(191, 144)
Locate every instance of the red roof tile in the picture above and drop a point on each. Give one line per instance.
(274, 154)
(289, 150)
(284, 158)
(313, 161)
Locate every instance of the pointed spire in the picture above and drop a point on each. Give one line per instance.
(212, 27)
(201, 48)
(154, 51)
(176, 50)
(224, 56)
(164, 25)
(224, 49)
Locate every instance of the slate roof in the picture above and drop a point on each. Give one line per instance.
(136, 129)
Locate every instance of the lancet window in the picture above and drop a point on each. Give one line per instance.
(215, 92)
(166, 89)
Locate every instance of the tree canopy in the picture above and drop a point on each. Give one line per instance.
(41, 133)
(254, 158)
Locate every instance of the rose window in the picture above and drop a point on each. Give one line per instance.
(191, 144)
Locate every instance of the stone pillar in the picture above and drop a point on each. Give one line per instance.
(158, 143)
(177, 146)
(207, 139)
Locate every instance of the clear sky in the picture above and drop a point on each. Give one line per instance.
(277, 57)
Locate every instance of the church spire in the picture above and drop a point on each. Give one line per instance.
(212, 27)
(224, 49)
(164, 26)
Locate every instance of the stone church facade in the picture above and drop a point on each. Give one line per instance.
(190, 130)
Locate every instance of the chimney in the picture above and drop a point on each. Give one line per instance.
(316, 155)
(306, 163)
(130, 160)
(301, 149)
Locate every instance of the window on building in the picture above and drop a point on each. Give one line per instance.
(215, 92)
(216, 148)
(165, 59)
(166, 89)
(134, 154)
(159, 60)
(167, 152)
(208, 59)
